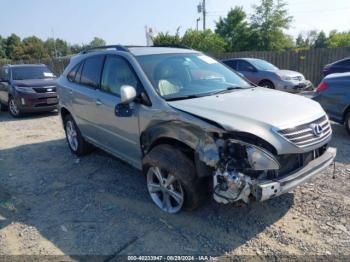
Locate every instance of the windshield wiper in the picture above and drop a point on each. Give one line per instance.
(226, 90)
(182, 97)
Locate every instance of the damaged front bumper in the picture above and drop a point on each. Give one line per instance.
(264, 190)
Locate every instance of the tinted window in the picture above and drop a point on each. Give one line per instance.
(31, 72)
(91, 71)
(4, 73)
(231, 63)
(71, 75)
(244, 66)
(116, 73)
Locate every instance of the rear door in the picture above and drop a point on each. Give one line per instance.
(118, 134)
(84, 92)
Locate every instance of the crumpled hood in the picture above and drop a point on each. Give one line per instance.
(253, 110)
(35, 82)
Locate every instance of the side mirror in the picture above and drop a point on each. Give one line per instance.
(127, 94)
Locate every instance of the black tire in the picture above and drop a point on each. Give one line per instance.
(13, 109)
(173, 161)
(267, 84)
(347, 121)
(82, 147)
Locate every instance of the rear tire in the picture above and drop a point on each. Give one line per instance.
(13, 108)
(267, 84)
(347, 121)
(75, 140)
(174, 164)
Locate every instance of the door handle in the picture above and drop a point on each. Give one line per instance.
(71, 91)
(98, 102)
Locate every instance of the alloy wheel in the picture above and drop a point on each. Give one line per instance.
(165, 190)
(72, 135)
(13, 107)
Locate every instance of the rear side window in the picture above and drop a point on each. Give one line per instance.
(91, 71)
(244, 66)
(232, 64)
(71, 75)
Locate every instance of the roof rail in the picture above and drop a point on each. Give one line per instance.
(174, 46)
(116, 47)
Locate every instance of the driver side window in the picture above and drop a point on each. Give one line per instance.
(116, 73)
(244, 66)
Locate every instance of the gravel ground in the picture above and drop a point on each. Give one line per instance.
(54, 203)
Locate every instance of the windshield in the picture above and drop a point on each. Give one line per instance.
(263, 65)
(31, 72)
(180, 76)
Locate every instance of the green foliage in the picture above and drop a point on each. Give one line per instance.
(235, 30)
(321, 40)
(33, 48)
(339, 39)
(167, 39)
(97, 42)
(205, 41)
(269, 20)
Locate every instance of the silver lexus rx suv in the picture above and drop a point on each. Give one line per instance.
(192, 125)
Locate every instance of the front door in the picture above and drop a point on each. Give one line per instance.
(119, 134)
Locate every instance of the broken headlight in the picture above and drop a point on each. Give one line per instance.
(239, 155)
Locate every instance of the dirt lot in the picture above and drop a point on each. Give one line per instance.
(53, 203)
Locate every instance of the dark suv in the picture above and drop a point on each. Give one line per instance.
(340, 66)
(27, 88)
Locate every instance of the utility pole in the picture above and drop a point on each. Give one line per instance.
(202, 9)
(204, 15)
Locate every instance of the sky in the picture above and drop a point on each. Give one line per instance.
(124, 21)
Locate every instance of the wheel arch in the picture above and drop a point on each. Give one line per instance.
(265, 80)
(347, 110)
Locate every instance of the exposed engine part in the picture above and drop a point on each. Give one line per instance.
(231, 186)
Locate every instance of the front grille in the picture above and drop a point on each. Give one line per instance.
(46, 89)
(305, 135)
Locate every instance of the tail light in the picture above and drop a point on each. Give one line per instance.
(322, 87)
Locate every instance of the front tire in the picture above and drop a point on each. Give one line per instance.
(171, 179)
(13, 108)
(267, 84)
(347, 121)
(75, 140)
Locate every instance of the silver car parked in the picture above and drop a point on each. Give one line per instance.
(194, 127)
(264, 74)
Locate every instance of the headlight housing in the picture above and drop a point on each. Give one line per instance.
(24, 89)
(286, 78)
(240, 155)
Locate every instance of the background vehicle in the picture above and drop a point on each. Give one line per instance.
(264, 74)
(27, 88)
(333, 93)
(191, 125)
(340, 66)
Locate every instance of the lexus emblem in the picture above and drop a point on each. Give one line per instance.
(317, 129)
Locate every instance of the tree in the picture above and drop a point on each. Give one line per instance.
(14, 47)
(97, 42)
(2, 47)
(235, 30)
(339, 39)
(268, 22)
(167, 39)
(33, 48)
(321, 40)
(74, 49)
(205, 41)
(57, 47)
